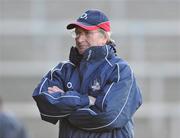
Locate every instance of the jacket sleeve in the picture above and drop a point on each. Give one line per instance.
(114, 106)
(57, 105)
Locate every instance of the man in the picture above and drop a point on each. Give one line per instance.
(10, 126)
(95, 93)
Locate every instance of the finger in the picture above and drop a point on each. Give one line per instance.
(55, 88)
(50, 91)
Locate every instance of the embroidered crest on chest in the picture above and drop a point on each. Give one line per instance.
(95, 85)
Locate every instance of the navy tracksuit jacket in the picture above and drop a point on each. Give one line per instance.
(98, 73)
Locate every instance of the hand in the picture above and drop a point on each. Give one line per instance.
(55, 89)
(91, 100)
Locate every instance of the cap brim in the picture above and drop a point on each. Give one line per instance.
(79, 24)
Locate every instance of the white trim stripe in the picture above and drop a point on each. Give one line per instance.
(87, 109)
(107, 53)
(70, 62)
(55, 69)
(108, 61)
(54, 115)
(111, 86)
(56, 98)
(42, 85)
(106, 95)
(119, 111)
(118, 72)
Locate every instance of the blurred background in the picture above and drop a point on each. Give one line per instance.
(33, 39)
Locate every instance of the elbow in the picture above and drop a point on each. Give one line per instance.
(118, 119)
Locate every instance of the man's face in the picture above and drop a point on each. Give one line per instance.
(85, 39)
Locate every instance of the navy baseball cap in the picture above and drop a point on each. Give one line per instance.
(91, 20)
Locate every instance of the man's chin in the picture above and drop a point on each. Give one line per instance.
(81, 51)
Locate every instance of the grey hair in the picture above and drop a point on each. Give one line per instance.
(108, 34)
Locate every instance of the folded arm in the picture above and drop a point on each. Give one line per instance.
(114, 106)
(52, 101)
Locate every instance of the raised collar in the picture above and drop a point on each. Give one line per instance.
(98, 53)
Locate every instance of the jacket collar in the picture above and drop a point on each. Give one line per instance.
(93, 53)
(98, 53)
